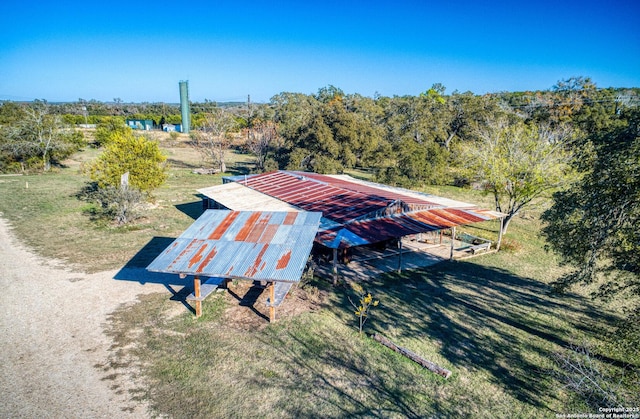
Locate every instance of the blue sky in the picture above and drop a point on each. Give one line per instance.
(139, 51)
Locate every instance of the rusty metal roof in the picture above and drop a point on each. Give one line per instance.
(260, 245)
(375, 230)
(357, 212)
(336, 203)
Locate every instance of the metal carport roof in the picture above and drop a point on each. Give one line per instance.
(259, 245)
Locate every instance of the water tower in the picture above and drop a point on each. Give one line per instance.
(184, 106)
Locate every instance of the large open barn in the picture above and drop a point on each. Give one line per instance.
(264, 227)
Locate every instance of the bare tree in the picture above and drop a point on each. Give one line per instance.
(212, 139)
(584, 374)
(262, 138)
(41, 134)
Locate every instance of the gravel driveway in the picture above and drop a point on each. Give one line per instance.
(52, 341)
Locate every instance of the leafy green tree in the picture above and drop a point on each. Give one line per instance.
(315, 148)
(594, 226)
(10, 113)
(325, 133)
(329, 94)
(359, 137)
(416, 156)
(109, 126)
(416, 164)
(462, 116)
(291, 112)
(126, 152)
(518, 162)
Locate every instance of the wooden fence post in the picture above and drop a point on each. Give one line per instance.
(400, 255)
(335, 266)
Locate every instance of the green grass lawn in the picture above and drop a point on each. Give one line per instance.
(491, 320)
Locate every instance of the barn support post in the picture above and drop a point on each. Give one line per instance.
(335, 266)
(400, 255)
(453, 239)
(272, 307)
(196, 294)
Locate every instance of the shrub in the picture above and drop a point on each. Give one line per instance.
(119, 204)
(137, 155)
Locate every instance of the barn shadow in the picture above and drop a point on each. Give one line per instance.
(136, 270)
(250, 298)
(192, 209)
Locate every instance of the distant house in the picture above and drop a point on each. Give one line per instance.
(171, 127)
(142, 124)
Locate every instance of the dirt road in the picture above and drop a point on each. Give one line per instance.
(52, 340)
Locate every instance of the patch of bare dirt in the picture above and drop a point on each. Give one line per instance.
(247, 309)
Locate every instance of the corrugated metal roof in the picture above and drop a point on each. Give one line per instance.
(357, 212)
(237, 197)
(399, 225)
(337, 204)
(260, 245)
(391, 192)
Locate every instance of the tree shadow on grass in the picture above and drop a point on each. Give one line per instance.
(331, 373)
(240, 168)
(179, 164)
(486, 319)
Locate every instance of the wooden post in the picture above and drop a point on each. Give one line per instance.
(272, 306)
(196, 294)
(400, 255)
(335, 266)
(453, 239)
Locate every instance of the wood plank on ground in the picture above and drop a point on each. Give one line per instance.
(413, 356)
(206, 289)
